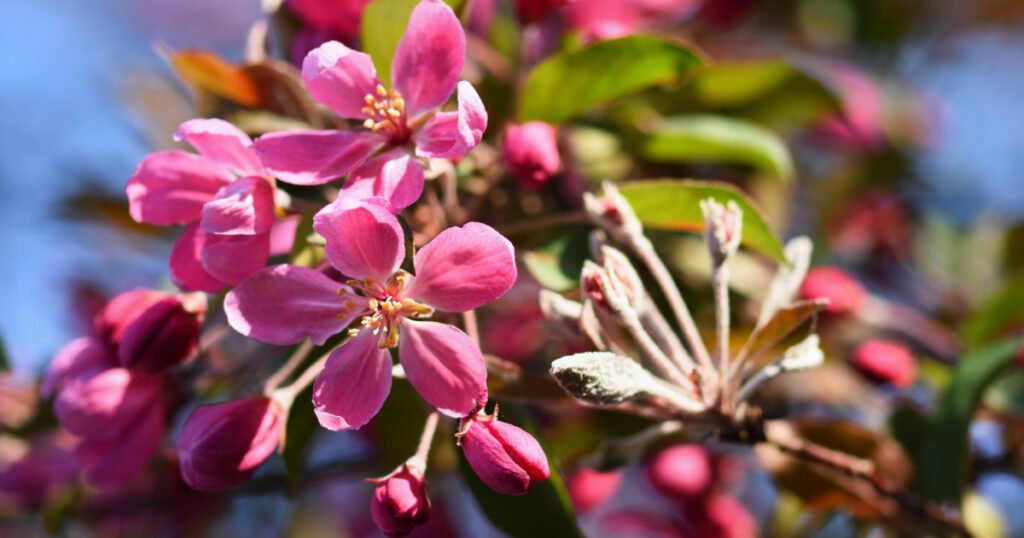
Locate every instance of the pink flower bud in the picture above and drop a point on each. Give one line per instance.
(683, 472)
(221, 445)
(530, 152)
(886, 361)
(531, 11)
(122, 310)
(721, 517)
(160, 337)
(589, 488)
(104, 405)
(400, 503)
(843, 292)
(505, 457)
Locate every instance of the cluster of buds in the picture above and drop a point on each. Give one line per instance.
(641, 363)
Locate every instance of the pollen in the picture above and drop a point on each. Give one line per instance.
(386, 114)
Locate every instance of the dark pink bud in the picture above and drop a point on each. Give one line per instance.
(530, 152)
(80, 357)
(122, 310)
(721, 517)
(589, 488)
(160, 337)
(844, 293)
(531, 11)
(885, 361)
(683, 472)
(221, 445)
(400, 503)
(106, 404)
(505, 457)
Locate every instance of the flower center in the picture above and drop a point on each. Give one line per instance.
(386, 111)
(386, 308)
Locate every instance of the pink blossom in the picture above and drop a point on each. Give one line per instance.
(401, 122)
(223, 195)
(588, 488)
(886, 361)
(507, 458)
(531, 11)
(400, 502)
(683, 472)
(610, 19)
(221, 445)
(530, 152)
(461, 269)
(859, 125)
(721, 517)
(844, 293)
(339, 18)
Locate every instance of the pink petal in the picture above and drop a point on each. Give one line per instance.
(115, 462)
(463, 268)
(364, 240)
(170, 187)
(315, 157)
(340, 78)
(395, 177)
(282, 234)
(354, 383)
(285, 303)
(222, 143)
(245, 207)
(231, 258)
(80, 357)
(105, 404)
(187, 271)
(429, 57)
(453, 134)
(444, 366)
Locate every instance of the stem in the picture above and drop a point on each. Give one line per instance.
(720, 284)
(643, 248)
(288, 393)
(662, 333)
(471, 326)
(631, 321)
(419, 459)
(289, 366)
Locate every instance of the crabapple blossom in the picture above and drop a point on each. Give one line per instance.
(682, 472)
(461, 269)
(507, 458)
(886, 361)
(401, 123)
(530, 152)
(844, 293)
(400, 502)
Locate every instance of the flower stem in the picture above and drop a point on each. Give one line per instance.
(289, 366)
(650, 348)
(289, 392)
(720, 284)
(471, 326)
(419, 459)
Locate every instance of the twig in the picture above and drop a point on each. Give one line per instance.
(288, 367)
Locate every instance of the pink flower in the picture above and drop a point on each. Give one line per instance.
(507, 459)
(530, 152)
(721, 517)
(860, 124)
(886, 361)
(683, 472)
(588, 488)
(610, 19)
(221, 445)
(339, 18)
(223, 195)
(401, 123)
(400, 502)
(531, 11)
(461, 269)
(844, 293)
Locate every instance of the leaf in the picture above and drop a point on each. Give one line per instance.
(785, 320)
(570, 84)
(300, 427)
(703, 138)
(943, 461)
(545, 511)
(558, 263)
(383, 25)
(305, 250)
(211, 73)
(674, 204)
(998, 313)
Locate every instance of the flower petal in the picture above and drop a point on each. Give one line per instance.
(222, 143)
(79, 357)
(429, 57)
(354, 383)
(463, 268)
(394, 177)
(187, 271)
(340, 78)
(315, 157)
(104, 405)
(244, 207)
(444, 366)
(282, 234)
(116, 462)
(231, 258)
(364, 240)
(453, 134)
(170, 187)
(286, 303)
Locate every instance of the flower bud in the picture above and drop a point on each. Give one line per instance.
(400, 502)
(622, 276)
(601, 378)
(589, 488)
(592, 283)
(886, 361)
(723, 226)
(122, 310)
(682, 472)
(843, 292)
(721, 517)
(507, 459)
(221, 445)
(613, 213)
(104, 405)
(160, 337)
(531, 11)
(530, 152)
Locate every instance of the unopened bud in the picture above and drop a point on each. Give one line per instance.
(103, 405)
(589, 488)
(843, 292)
(221, 445)
(613, 213)
(592, 283)
(601, 378)
(886, 361)
(400, 502)
(723, 228)
(505, 457)
(530, 152)
(683, 472)
(161, 337)
(121, 311)
(622, 276)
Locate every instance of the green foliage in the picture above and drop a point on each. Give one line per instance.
(307, 248)
(557, 264)
(998, 313)
(5, 361)
(706, 138)
(673, 204)
(570, 84)
(300, 428)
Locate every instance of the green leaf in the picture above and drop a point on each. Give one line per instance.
(942, 469)
(674, 204)
(570, 84)
(383, 26)
(307, 248)
(5, 361)
(702, 138)
(544, 511)
(998, 313)
(558, 263)
(300, 427)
